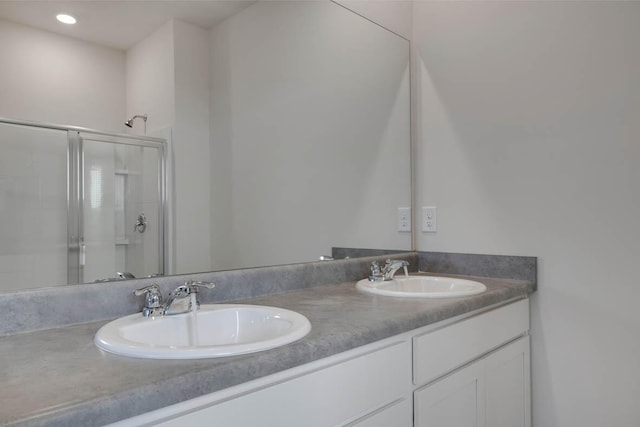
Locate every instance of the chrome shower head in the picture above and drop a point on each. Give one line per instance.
(129, 122)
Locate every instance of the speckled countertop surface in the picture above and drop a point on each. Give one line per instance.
(58, 377)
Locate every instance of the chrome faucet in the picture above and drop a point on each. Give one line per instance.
(391, 267)
(179, 301)
(125, 275)
(379, 274)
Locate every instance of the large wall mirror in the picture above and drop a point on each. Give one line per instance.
(288, 137)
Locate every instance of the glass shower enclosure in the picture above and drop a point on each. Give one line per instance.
(79, 206)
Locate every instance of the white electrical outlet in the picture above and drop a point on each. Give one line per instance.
(429, 219)
(404, 219)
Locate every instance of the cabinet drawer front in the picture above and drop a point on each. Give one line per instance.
(327, 397)
(443, 350)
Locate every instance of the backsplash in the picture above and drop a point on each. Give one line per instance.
(341, 253)
(498, 266)
(54, 307)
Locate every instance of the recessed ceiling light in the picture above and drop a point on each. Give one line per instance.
(66, 19)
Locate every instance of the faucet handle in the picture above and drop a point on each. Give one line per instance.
(153, 299)
(375, 272)
(151, 290)
(399, 261)
(193, 286)
(190, 287)
(374, 268)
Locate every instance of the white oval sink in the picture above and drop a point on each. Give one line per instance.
(423, 287)
(214, 330)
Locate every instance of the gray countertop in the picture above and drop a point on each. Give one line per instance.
(57, 377)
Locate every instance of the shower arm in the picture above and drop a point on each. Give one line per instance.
(129, 122)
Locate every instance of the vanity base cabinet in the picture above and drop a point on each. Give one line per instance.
(471, 371)
(490, 392)
(368, 391)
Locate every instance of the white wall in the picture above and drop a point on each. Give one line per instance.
(223, 247)
(168, 79)
(52, 78)
(529, 145)
(191, 148)
(310, 134)
(395, 15)
(151, 80)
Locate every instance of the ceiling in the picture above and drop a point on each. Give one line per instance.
(117, 23)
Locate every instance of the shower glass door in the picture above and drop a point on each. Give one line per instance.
(122, 209)
(33, 206)
(78, 206)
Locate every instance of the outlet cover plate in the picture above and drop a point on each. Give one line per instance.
(429, 219)
(404, 219)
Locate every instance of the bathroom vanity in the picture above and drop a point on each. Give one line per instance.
(472, 370)
(369, 360)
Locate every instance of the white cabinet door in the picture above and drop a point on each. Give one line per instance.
(454, 401)
(493, 392)
(507, 386)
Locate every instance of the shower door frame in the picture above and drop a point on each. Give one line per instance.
(75, 188)
(76, 201)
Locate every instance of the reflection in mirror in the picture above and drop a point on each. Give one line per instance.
(79, 207)
(33, 207)
(122, 209)
(312, 126)
(288, 123)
